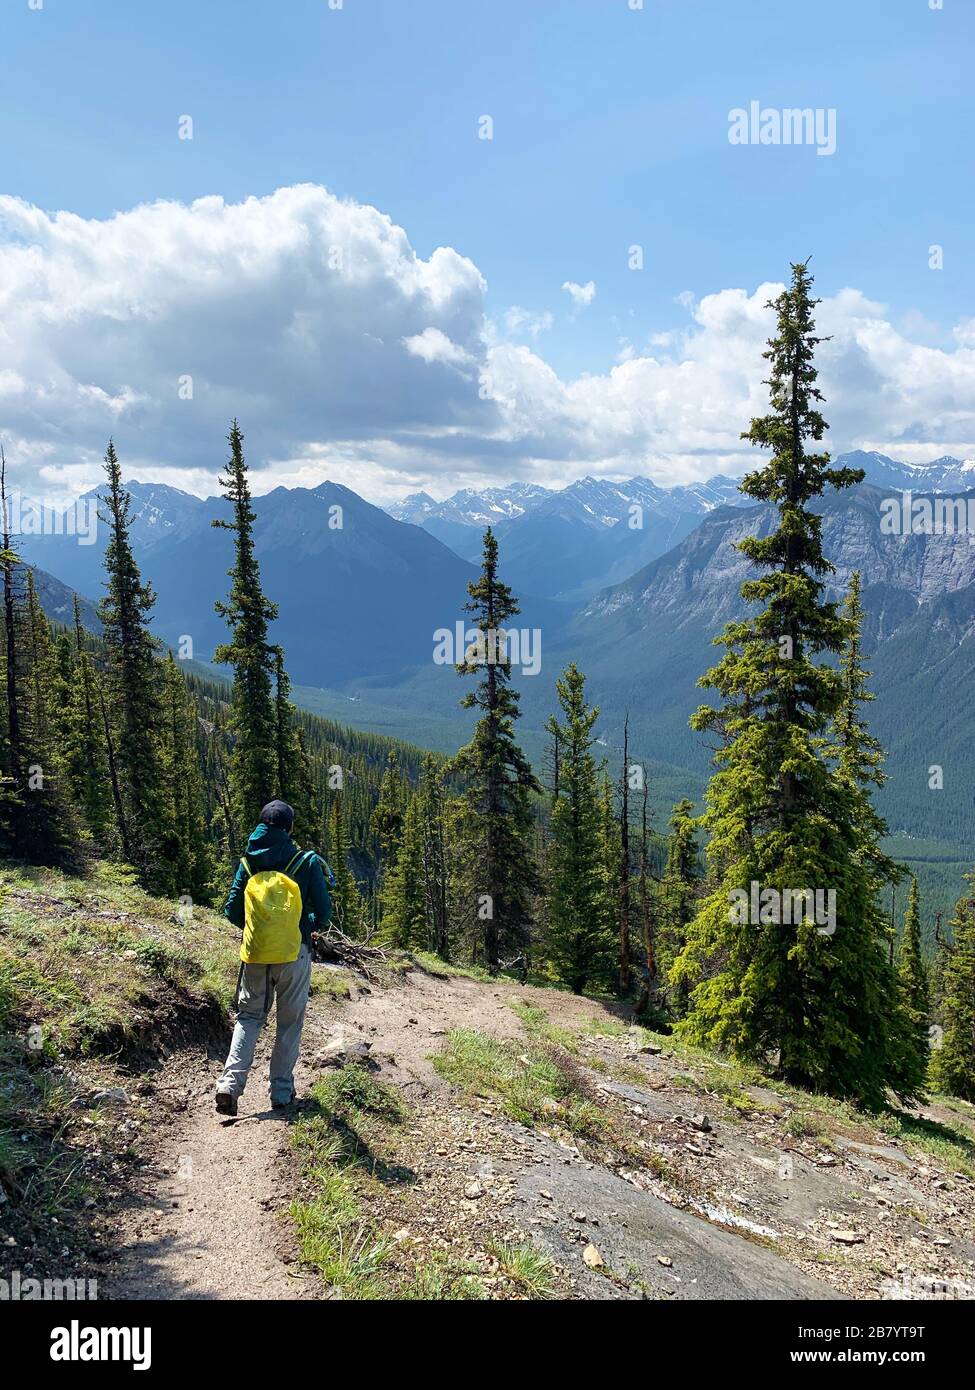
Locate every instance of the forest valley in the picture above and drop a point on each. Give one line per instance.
(112, 749)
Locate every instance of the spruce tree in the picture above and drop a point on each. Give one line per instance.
(405, 903)
(86, 762)
(678, 896)
(431, 797)
(815, 999)
(347, 905)
(191, 864)
(253, 773)
(47, 829)
(495, 818)
(953, 1063)
(134, 708)
(912, 978)
(579, 945)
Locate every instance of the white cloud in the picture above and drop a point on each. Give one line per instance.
(345, 354)
(519, 322)
(582, 295)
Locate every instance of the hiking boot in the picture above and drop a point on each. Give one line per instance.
(226, 1103)
(284, 1104)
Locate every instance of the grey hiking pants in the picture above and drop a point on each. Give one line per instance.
(259, 986)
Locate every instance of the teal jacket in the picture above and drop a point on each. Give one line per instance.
(271, 848)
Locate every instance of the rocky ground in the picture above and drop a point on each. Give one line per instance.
(692, 1182)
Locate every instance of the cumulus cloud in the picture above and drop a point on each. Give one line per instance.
(346, 355)
(581, 295)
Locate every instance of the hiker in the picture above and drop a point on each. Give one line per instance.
(278, 896)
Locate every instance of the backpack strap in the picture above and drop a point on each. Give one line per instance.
(295, 862)
(246, 867)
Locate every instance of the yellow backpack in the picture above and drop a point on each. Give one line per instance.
(272, 914)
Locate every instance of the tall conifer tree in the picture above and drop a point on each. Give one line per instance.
(579, 944)
(817, 999)
(953, 1063)
(134, 707)
(495, 811)
(253, 775)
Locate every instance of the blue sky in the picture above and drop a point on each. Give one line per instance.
(610, 128)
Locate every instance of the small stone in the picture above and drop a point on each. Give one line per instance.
(847, 1237)
(592, 1257)
(665, 1260)
(113, 1095)
(651, 1050)
(473, 1191)
(701, 1122)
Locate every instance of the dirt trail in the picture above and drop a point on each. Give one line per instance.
(208, 1222)
(205, 1221)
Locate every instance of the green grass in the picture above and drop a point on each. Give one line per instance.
(436, 965)
(332, 983)
(536, 1024)
(83, 957)
(41, 1173)
(805, 1124)
(951, 1144)
(336, 1235)
(545, 1088)
(525, 1266)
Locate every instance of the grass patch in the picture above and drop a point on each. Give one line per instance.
(535, 1086)
(806, 1124)
(535, 1022)
(525, 1266)
(952, 1145)
(41, 1173)
(331, 982)
(87, 958)
(335, 1234)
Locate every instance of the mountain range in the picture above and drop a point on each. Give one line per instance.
(360, 602)
(571, 542)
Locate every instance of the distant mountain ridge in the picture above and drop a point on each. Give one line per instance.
(571, 542)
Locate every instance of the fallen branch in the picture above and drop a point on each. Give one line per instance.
(334, 946)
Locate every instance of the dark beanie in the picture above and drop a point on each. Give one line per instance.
(279, 814)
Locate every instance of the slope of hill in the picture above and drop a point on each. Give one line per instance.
(500, 1141)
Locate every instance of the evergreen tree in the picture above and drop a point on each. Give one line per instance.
(134, 709)
(678, 896)
(86, 763)
(816, 998)
(953, 1063)
(495, 809)
(584, 840)
(625, 869)
(191, 865)
(253, 773)
(430, 797)
(47, 828)
(294, 779)
(347, 904)
(405, 903)
(912, 977)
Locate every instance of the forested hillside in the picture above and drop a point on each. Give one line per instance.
(555, 868)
